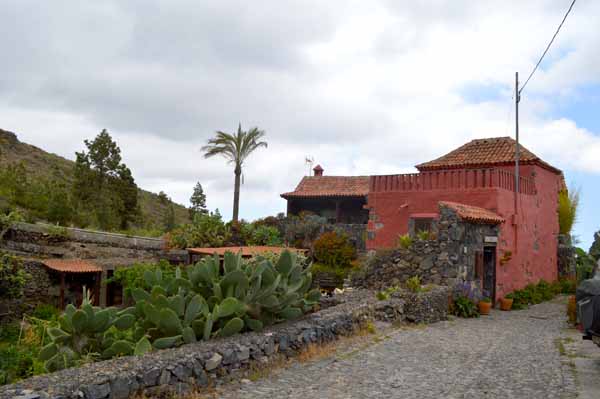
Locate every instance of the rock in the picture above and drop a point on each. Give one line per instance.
(165, 377)
(120, 388)
(182, 372)
(213, 362)
(97, 391)
(150, 378)
(243, 352)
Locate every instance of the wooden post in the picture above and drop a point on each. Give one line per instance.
(338, 211)
(62, 290)
(97, 288)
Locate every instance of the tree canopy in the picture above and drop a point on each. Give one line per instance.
(235, 148)
(104, 186)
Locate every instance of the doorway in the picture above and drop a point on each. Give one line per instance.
(489, 272)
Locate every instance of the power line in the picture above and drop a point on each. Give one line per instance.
(548, 47)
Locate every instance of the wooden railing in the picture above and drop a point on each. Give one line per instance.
(453, 179)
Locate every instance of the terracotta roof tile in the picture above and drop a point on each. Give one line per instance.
(473, 213)
(484, 152)
(331, 186)
(71, 265)
(246, 251)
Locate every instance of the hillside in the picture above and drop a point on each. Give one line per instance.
(41, 164)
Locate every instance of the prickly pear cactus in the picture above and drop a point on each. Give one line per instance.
(87, 333)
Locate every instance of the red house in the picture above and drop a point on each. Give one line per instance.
(477, 177)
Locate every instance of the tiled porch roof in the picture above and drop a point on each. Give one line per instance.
(71, 265)
(245, 251)
(473, 214)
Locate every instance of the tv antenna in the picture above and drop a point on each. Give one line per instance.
(309, 161)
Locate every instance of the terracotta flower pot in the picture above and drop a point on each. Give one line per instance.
(484, 307)
(506, 303)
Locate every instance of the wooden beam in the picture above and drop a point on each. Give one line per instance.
(338, 211)
(62, 290)
(97, 288)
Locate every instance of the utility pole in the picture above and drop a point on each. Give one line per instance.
(517, 149)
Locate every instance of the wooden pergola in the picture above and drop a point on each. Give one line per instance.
(64, 266)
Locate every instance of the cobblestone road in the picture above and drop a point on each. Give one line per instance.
(505, 355)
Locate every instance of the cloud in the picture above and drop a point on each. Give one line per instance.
(365, 88)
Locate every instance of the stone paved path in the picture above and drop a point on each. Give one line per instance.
(504, 355)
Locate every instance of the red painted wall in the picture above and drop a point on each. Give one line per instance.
(534, 253)
(534, 249)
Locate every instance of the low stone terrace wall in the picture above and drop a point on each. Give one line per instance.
(194, 366)
(107, 249)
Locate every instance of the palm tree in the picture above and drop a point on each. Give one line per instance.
(236, 148)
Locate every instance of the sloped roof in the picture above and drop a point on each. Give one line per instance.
(71, 265)
(246, 251)
(473, 214)
(330, 186)
(484, 152)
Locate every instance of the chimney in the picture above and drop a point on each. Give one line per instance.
(318, 170)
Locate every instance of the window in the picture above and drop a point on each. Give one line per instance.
(422, 224)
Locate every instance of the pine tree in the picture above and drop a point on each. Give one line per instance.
(103, 185)
(198, 201)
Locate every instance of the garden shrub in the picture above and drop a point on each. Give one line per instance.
(207, 230)
(12, 276)
(465, 298)
(334, 250)
(302, 230)
(414, 284)
(542, 291)
(133, 276)
(465, 307)
(584, 265)
(20, 343)
(45, 311)
(405, 241)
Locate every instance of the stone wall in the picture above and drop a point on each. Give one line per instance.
(566, 257)
(196, 365)
(35, 292)
(108, 250)
(315, 226)
(446, 259)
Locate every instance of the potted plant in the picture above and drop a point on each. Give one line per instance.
(485, 304)
(506, 302)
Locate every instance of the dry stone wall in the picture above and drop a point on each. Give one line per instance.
(35, 292)
(445, 260)
(193, 366)
(106, 249)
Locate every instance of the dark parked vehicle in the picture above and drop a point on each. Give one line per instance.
(588, 308)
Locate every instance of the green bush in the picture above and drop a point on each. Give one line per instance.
(387, 293)
(12, 276)
(414, 284)
(45, 311)
(334, 250)
(207, 230)
(20, 343)
(405, 241)
(133, 276)
(301, 231)
(537, 293)
(464, 307)
(568, 204)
